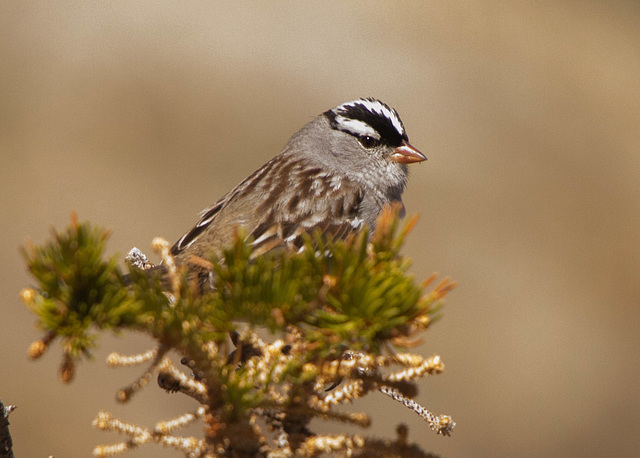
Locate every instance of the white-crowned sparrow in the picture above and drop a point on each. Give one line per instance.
(335, 174)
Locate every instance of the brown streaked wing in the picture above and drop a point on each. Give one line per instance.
(333, 211)
(277, 204)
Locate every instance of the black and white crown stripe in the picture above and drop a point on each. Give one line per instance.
(377, 107)
(368, 117)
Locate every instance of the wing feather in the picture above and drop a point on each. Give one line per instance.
(277, 216)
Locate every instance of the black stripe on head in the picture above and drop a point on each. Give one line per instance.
(376, 114)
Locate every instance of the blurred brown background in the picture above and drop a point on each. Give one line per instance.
(138, 115)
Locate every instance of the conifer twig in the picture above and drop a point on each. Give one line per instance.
(6, 444)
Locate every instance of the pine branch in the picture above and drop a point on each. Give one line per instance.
(6, 444)
(333, 311)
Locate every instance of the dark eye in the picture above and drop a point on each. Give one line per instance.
(368, 142)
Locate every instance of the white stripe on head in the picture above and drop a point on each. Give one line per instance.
(356, 127)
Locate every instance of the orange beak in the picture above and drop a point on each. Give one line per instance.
(407, 154)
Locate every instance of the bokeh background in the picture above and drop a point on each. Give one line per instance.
(139, 114)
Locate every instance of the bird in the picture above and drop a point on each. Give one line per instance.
(334, 176)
